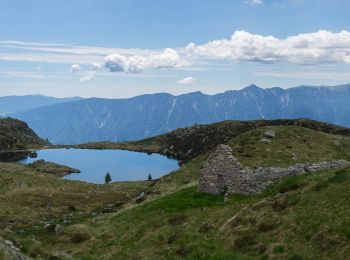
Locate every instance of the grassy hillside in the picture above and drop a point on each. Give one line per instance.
(303, 217)
(291, 145)
(16, 135)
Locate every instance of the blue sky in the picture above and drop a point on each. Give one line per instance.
(117, 48)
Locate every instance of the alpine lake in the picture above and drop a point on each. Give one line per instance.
(122, 165)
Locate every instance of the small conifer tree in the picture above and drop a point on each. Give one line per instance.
(108, 178)
(149, 177)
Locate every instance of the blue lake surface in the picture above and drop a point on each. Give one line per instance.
(94, 164)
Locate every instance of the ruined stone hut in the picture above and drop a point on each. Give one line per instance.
(222, 172)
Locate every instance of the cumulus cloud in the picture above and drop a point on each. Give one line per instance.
(187, 81)
(309, 48)
(312, 48)
(253, 2)
(88, 77)
(169, 58)
(75, 68)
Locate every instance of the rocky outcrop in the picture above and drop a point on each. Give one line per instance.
(10, 252)
(222, 173)
(16, 135)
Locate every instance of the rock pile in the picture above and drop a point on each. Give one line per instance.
(223, 173)
(9, 251)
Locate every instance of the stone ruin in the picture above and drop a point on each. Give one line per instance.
(222, 172)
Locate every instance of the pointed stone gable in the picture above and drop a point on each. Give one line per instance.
(220, 172)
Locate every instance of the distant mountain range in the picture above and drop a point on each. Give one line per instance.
(14, 104)
(97, 119)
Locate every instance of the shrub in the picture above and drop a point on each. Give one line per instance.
(79, 237)
(278, 249)
(339, 176)
(265, 227)
(245, 241)
(177, 220)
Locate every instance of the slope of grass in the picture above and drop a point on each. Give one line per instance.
(291, 145)
(306, 222)
(29, 198)
(304, 217)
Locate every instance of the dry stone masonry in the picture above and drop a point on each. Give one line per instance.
(222, 172)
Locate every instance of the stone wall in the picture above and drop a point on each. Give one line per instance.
(222, 172)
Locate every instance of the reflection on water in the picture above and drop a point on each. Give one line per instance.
(12, 156)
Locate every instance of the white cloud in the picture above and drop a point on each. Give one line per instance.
(75, 68)
(253, 2)
(187, 81)
(313, 48)
(169, 58)
(95, 66)
(309, 48)
(88, 77)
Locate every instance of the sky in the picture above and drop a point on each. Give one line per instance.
(124, 48)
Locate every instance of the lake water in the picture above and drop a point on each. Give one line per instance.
(94, 164)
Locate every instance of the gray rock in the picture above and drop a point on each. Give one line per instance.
(50, 227)
(140, 199)
(59, 229)
(10, 251)
(295, 157)
(111, 205)
(265, 140)
(8, 243)
(337, 143)
(270, 134)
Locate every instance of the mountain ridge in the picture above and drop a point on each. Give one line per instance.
(96, 119)
(15, 103)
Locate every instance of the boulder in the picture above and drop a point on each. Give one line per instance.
(9, 251)
(270, 134)
(140, 199)
(50, 227)
(265, 140)
(59, 229)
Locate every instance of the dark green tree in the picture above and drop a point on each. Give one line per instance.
(108, 178)
(149, 177)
